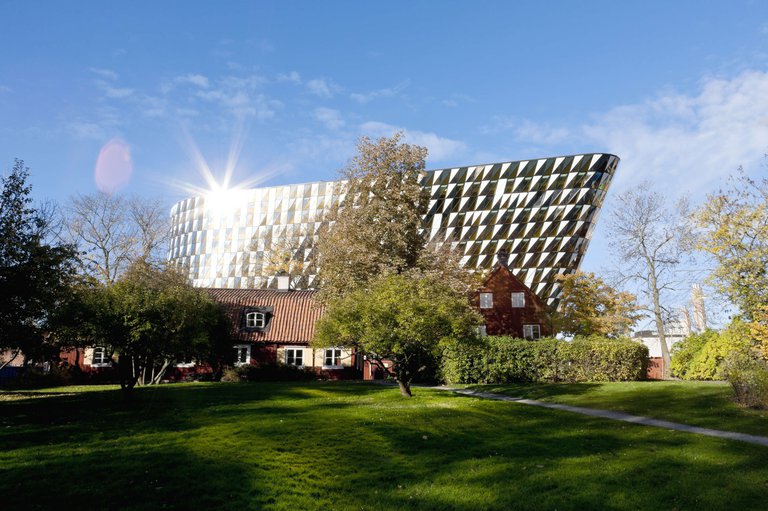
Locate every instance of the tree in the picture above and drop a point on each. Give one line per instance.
(375, 230)
(735, 225)
(34, 275)
(112, 232)
(650, 240)
(590, 306)
(148, 319)
(404, 319)
(285, 253)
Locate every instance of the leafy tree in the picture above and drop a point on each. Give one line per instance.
(377, 229)
(148, 319)
(34, 275)
(650, 240)
(589, 306)
(404, 319)
(735, 225)
(759, 329)
(284, 255)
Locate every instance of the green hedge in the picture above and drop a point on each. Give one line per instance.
(508, 360)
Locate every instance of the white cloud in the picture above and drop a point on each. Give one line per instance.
(117, 92)
(242, 103)
(5, 88)
(321, 87)
(684, 142)
(197, 80)
(528, 131)
(330, 117)
(107, 74)
(688, 142)
(440, 148)
(292, 77)
(85, 130)
(380, 93)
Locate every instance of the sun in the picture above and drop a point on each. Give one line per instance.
(221, 197)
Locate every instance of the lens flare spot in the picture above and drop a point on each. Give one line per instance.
(113, 166)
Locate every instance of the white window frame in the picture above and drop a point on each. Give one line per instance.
(520, 296)
(255, 319)
(486, 300)
(336, 356)
(247, 348)
(528, 331)
(103, 357)
(300, 352)
(482, 331)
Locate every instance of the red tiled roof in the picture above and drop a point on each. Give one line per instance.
(293, 318)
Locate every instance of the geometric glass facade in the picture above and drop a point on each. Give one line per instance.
(542, 212)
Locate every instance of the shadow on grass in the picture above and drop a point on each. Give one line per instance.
(353, 446)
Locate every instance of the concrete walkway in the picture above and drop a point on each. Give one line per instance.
(619, 416)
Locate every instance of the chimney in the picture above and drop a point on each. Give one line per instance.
(503, 257)
(283, 282)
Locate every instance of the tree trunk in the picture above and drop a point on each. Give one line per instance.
(157, 377)
(405, 388)
(659, 321)
(16, 354)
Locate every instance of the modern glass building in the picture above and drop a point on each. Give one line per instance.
(542, 212)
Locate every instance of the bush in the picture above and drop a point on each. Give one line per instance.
(749, 378)
(701, 356)
(686, 350)
(507, 360)
(37, 378)
(267, 372)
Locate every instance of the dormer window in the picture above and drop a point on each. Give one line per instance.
(255, 320)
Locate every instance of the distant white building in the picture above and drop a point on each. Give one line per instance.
(674, 331)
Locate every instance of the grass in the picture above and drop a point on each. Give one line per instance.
(350, 446)
(705, 404)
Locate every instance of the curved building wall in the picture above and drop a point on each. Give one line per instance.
(540, 211)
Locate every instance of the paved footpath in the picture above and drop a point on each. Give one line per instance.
(619, 416)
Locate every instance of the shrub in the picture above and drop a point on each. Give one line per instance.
(267, 372)
(507, 360)
(686, 350)
(701, 356)
(749, 378)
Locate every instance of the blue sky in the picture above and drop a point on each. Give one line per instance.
(679, 90)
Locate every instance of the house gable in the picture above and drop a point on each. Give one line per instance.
(512, 309)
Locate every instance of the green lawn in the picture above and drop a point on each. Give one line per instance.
(705, 404)
(351, 446)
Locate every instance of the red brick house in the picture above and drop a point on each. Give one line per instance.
(276, 326)
(510, 307)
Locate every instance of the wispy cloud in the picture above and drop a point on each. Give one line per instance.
(329, 117)
(106, 74)
(195, 79)
(525, 130)
(292, 77)
(85, 130)
(440, 148)
(106, 82)
(117, 92)
(688, 142)
(363, 98)
(322, 87)
(5, 88)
